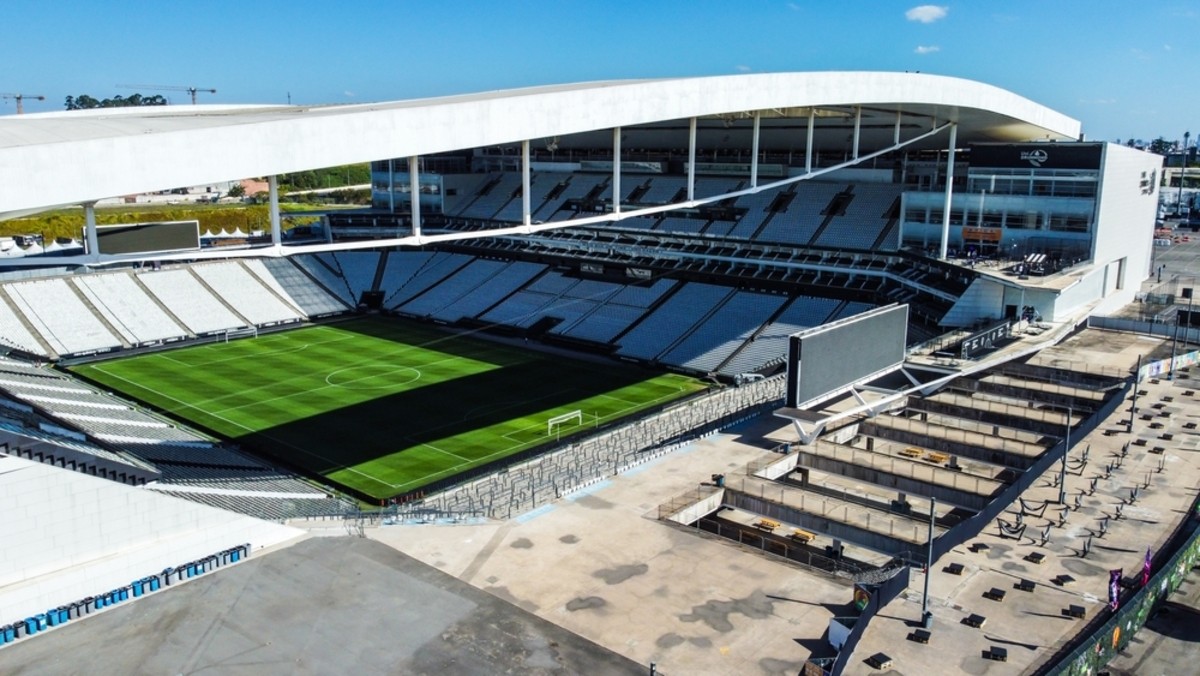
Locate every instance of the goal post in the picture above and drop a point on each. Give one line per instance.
(554, 424)
(244, 332)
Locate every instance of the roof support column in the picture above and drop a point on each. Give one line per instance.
(754, 149)
(692, 159)
(525, 215)
(808, 145)
(857, 129)
(89, 225)
(616, 182)
(392, 186)
(414, 196)
(949, 191)
(273, 210)
(896, 131)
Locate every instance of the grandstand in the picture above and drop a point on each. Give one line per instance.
(655, 255)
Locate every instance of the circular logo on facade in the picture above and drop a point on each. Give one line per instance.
(1036, 157)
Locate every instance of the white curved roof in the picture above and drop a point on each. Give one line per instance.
(54, 159)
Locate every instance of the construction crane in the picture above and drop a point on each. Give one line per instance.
(19, 98)
(170, 88)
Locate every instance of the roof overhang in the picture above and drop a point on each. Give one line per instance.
(54, 159)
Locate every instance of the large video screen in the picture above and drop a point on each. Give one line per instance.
(148, 237)
(827, 358)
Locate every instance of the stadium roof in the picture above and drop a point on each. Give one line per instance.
(55, 159)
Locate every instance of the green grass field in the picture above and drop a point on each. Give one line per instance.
(379, 405)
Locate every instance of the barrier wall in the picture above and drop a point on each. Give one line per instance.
(1172, 330)
(884, 594)
(1111, 637)
(535, 481)
(79, 608)
(1164, 366)
(65, 535)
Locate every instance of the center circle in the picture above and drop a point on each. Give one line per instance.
(373, 377)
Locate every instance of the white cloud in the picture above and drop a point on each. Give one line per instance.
(348, 94)
(927, 49)
(926, 13)
(743, 69)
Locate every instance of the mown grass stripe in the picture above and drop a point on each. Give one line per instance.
(381, 405)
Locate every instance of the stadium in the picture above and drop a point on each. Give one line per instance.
(867, 274)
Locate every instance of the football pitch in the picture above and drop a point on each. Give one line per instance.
(379, 405)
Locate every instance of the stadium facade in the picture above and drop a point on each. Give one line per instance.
(1023, 189)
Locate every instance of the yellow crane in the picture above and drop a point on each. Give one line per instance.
(20, 98)
(171, 88)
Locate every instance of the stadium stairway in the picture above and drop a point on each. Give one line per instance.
(98, 314)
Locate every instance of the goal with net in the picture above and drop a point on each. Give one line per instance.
(554, 424)
(244, 332)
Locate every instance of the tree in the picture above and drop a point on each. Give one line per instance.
(84, 102)
(1160, 146)
(237, 190)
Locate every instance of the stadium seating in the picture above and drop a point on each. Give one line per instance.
(190, 301)
(399, 268)
(358, 269)
(60, 316)
(318, 266)
(756, 206)
(186, 460)
(504, 282)
(864, 219)
(604, 322)
(129, 309)
(495, 194)
(460, 283)
(638, 223)
(431, 271)
(663, 189)
(289, 281)
(246, 294)
(672, 320)
(681, 225)
(13, 332)
(712, 341)
(522, 308)
(803, 216)
(770, 344)
(643, 296)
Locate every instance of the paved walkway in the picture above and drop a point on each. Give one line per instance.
(1032, 625)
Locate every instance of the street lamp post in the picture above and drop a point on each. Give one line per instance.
(1183, 170)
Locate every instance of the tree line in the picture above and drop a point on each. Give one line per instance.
(83, 101)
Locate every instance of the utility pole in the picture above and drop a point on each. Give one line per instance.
(20, 98)
(926, 616)
(1062, 473)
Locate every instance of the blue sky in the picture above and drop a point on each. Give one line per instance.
(1125, 69)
